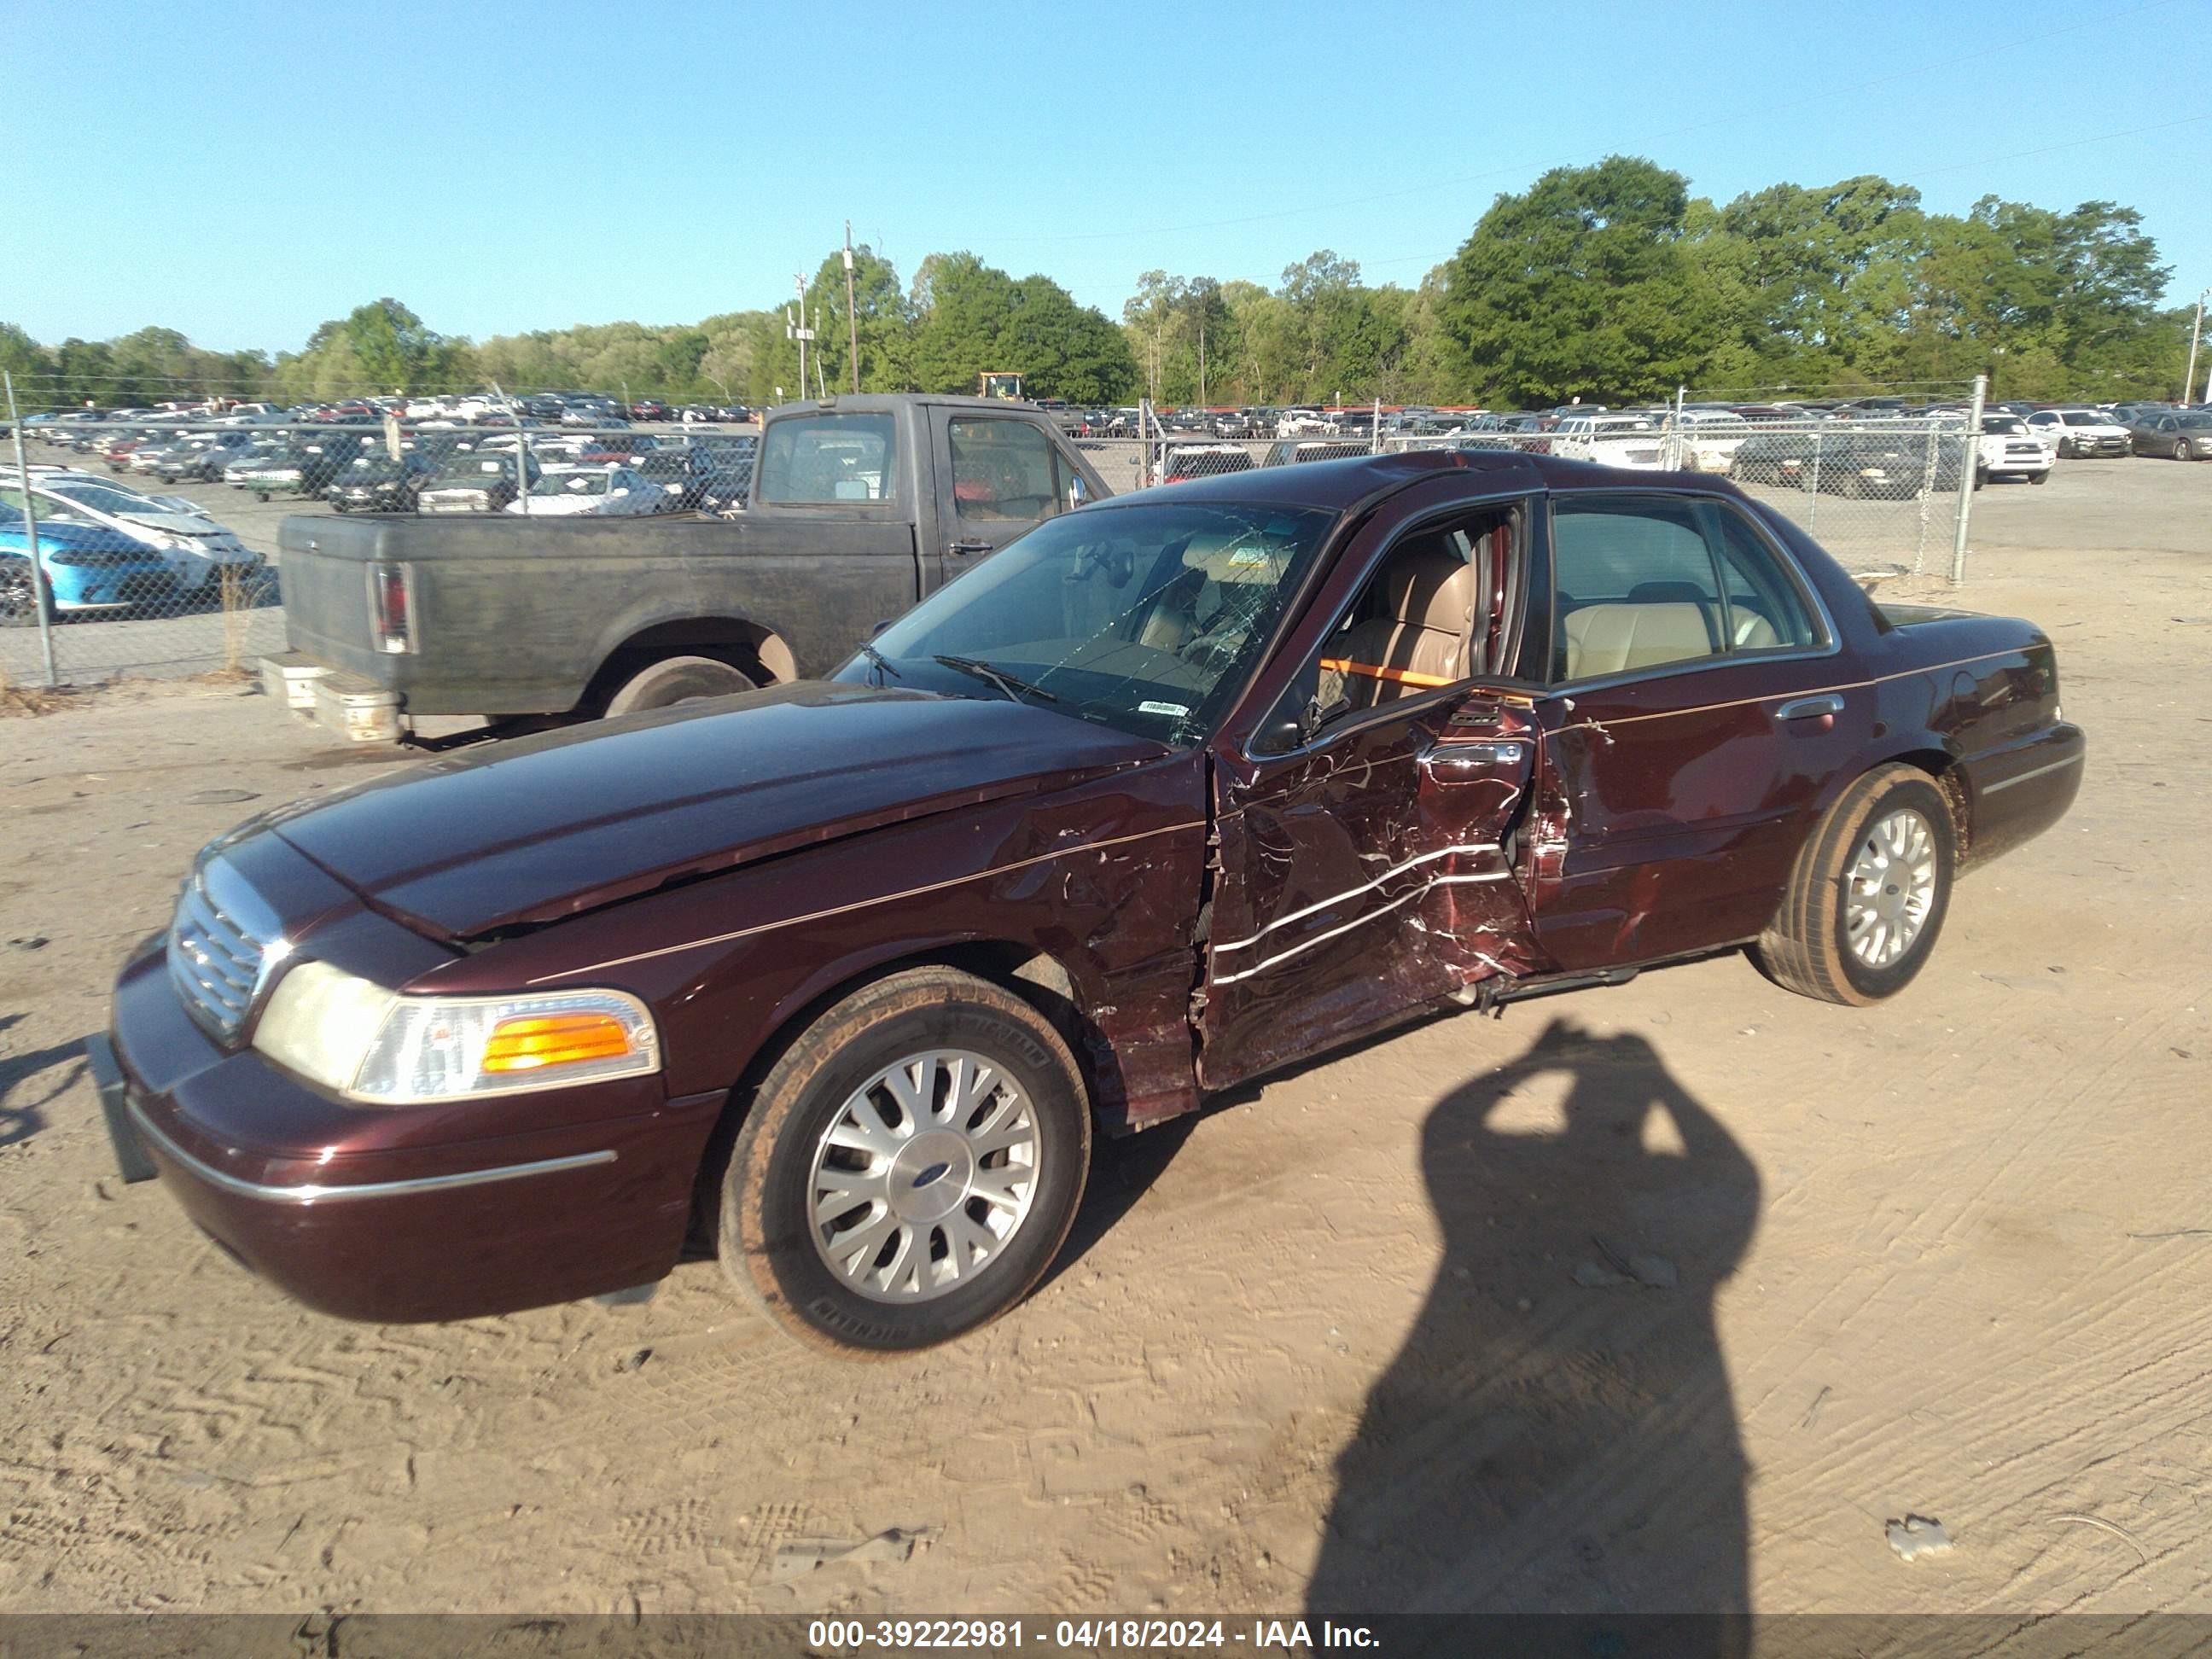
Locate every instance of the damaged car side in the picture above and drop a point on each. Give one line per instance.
(835, 979)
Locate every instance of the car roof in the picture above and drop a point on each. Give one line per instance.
(1336, 485)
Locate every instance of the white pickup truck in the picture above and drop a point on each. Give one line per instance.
(2011, 450)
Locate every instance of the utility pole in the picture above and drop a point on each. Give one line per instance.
(852, 315)
(2188, 374)
(1201, 354)
(800, 332)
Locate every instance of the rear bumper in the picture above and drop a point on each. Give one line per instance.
(404, 1232)
(2017, 792)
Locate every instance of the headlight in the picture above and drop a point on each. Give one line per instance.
(375, 1046)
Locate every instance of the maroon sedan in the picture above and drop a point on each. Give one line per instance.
(836, 978)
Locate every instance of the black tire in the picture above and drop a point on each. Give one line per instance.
(1805, 948)
(19, 606)
(2182, 451)
(678, 679)
(2042, 478)
(768, 1190)
(1981, 477)
(337, 504)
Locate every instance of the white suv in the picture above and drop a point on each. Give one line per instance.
(2009, 450)
(1629, 441)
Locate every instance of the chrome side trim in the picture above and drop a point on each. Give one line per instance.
(1380, 910)
(310, 1194)
(2034, 772)
(1354, 892)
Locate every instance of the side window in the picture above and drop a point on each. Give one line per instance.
(1766, 608)
(1413, 627)
(1634, 586)
(820, 460)
(1003, 470)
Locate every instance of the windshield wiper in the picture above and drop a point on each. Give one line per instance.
(883, 663)
(1006, 683)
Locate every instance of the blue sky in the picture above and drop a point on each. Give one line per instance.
(244, 171)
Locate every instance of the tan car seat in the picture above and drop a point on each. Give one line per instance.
(1419, 643)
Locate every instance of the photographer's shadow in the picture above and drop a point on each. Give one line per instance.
(1558, 1433)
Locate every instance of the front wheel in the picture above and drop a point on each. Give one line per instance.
(1868, 893)
(2042, 478)
(909, 1167)
(2182, 451)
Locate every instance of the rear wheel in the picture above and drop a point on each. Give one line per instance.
(1866, 896)
(19, 598)
(678, 679)
(910, 1166)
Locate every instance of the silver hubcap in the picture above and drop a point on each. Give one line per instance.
(1892, 886)
(924, 1177)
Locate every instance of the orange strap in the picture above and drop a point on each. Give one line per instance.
(1402, 676)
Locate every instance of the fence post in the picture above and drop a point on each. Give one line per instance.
(1935, 436)
(1674, 431)
(1970, 464)
(40, 600)
(1375, 437)
(1813, 508)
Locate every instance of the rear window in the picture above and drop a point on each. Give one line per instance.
(826, 460)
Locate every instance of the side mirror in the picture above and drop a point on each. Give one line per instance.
(1077, 495)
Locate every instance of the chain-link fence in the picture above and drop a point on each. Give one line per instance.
(158, 543)
(1886, 488)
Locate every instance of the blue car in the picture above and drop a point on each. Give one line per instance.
(87, 570)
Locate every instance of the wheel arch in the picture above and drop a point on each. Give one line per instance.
(755, 648)
(1949, 777)
(1040, 977)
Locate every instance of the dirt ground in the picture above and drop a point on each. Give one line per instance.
(1329, 1346)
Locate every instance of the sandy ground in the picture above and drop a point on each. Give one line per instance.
(1325, 1347)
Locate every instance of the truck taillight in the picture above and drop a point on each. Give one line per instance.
(388, 608)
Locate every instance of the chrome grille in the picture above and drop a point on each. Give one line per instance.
(214, 964)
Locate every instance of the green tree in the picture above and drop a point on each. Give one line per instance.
(1582, 286)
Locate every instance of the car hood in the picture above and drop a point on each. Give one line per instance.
(173, 524)
(530, 831)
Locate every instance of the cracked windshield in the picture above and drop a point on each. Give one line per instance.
(1142, 617)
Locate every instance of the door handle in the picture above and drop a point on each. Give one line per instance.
(968, 547)
(1458, 763)
(1805, 708)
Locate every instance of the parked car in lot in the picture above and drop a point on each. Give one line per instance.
(2010, 449)
(837, 979)
(373, 482)
(479, 482)
(1292, 452)
(2079, 433)
(197, 550)
(606, 492)
(2177, 434)
(1629, 441)
(88, 569)
(1182, 461)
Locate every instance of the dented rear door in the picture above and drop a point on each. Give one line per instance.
(1363, 876)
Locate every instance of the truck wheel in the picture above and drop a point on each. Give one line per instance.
(1867, 893)
(678, 679)
(2041, 477)
(910, 1166)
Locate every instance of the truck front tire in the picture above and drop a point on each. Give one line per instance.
(678, 679)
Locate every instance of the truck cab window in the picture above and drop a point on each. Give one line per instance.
(1002, 470)
(828, 461)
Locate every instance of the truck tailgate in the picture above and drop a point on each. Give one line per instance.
(512, 616)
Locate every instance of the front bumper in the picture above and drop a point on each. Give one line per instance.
(406, 1215)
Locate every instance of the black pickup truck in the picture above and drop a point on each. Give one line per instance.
(859, 506)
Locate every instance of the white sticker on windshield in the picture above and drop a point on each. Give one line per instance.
(1178, 709)
(1248, 555)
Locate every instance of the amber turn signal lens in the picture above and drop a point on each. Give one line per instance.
(528, 1045)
